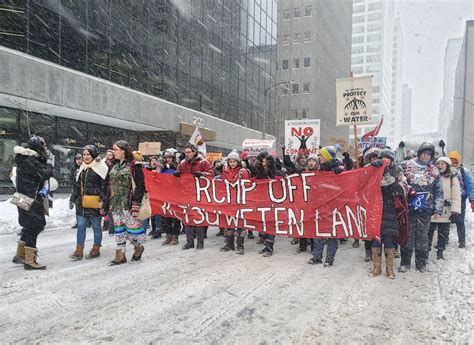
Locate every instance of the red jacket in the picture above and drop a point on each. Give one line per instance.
(197, 164)
(233, 175)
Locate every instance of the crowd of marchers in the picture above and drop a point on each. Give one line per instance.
(421, 196)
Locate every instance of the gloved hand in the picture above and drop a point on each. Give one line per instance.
(198, 174)
(454, 217)
(71, 204)
(177, 174)
(135, 209)
(377, 163)
(44, 192)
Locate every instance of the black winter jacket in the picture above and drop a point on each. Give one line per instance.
(88, 183)
(31, 172)
(390, 222)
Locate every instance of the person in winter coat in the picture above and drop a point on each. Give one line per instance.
(451, 206)
(347, 161)
(425, 200)
(91, 184)
(32, 173)
(171, 226)
(265, 169)
(370, 155)
(125, 192)
(195, 164)
(312, 165)
(390, 225)
(233, 172)
(328, 162)
(467, 192)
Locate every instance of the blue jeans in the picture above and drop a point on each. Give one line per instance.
(460, 223)
(81, 229)
(319, 247)
(145, 224)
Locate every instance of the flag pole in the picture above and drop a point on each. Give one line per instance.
(356, 147)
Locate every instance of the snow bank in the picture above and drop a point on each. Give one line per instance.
(60, 216)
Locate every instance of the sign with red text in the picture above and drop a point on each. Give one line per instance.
(302, 136)
(310, 205)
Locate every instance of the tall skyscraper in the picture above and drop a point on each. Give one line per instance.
(373, 53)
(394, 121)
(406, 113)
(314, 50)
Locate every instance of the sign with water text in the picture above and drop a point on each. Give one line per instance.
(354, 101)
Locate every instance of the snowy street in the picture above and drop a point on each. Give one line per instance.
(176, 296)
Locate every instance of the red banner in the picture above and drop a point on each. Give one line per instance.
(309, 205)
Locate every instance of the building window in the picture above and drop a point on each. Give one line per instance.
(307, 62)
(358, 29)
(357, 19)
(304, 113)
(286, 38)
(287, 14)
(358, 50)
(357, 70)
(284, 65)
(375, 6)
(284, 88)
(374, 17)
(374, 38)
(307, 11)
(373, 69)
(296, 37)
(376, 89)
(297, 12)
(357, 60)
(358, 9)
(373, 58)
(374, 27)
(296, 63)
(307, 36)
(305, 87)
(295, 89)
(374, 48)
(357, 39)
(294, 113)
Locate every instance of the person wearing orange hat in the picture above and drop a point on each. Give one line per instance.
(467, 191)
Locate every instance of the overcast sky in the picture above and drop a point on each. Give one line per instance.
(427, 26)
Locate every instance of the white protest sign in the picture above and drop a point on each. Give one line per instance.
(302, 137)
(256, 146)
(354, 101)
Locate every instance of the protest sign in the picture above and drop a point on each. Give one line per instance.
(213, 156)
(369, 142)
(256, 146)
(309, 205)
(302, 136)
(149, 148)
(354, 101)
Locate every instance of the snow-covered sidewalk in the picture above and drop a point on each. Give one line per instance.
(176, 296)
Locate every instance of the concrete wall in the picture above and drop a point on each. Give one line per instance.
(36, 85)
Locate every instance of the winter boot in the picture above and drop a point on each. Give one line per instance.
(261, 239)
(19, 258)
(329, 262)
(30, 259)
(78, 253)
(137, 253)
(250, 235)
(229, 243)
(439, 255)
(368, 256)
(174, 240)
(389, 254)
(240, 245)
(377, 258)
(315, 261)
(221, 232)
(268, 250)
(95, 252)
(396, 254)
(119, 258)
(303, 245)
(420, 260)
(462, 244)
(200, 245)
(167, 241)
(153, 233)
(294, 241)
(355, 244)
(189, 244)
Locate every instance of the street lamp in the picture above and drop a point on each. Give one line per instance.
(291, 82)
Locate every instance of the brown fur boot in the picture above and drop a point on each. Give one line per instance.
(389, 255)
(377, 258)
(167, 241)
(19, 258)
(94, 253)
(78, 254)
(137, 253)
(30, 259)
(119, 258)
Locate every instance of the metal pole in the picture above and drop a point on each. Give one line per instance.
(356, 147)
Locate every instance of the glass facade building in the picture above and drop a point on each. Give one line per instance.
(213, 56)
